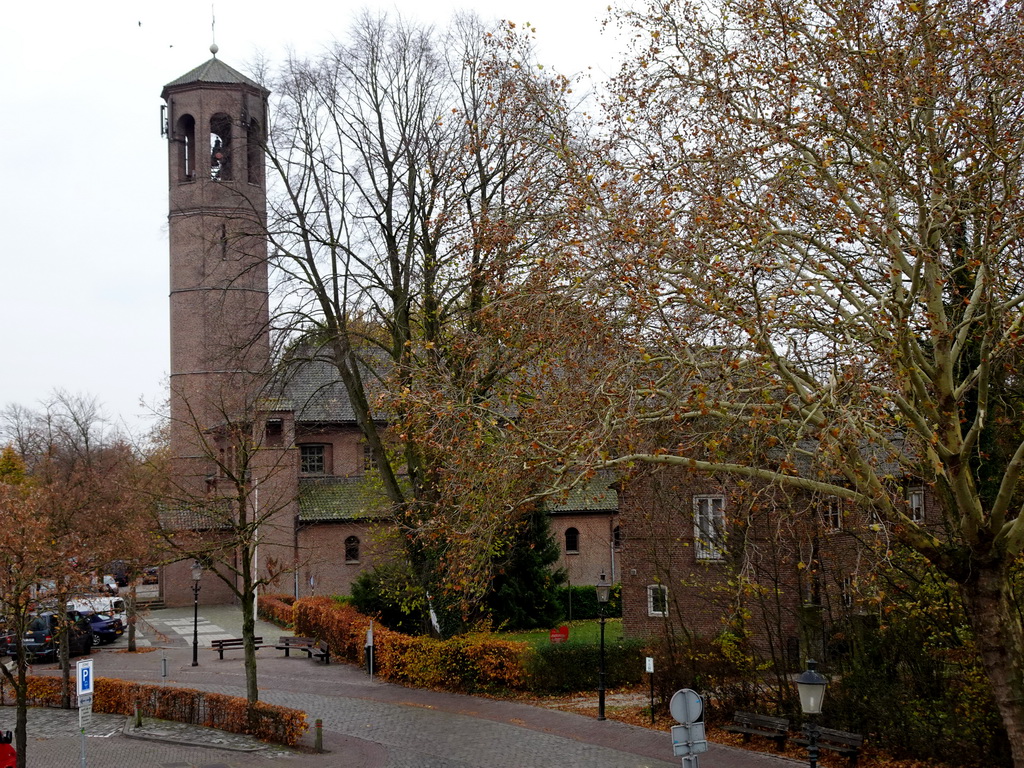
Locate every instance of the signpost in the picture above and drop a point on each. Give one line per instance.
(650, 671)
(84, 686)
(688, 738)
(559, 635)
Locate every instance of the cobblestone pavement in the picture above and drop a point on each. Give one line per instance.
(366, 723)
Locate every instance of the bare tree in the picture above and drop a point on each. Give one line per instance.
(412, 181)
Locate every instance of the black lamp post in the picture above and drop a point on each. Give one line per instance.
(197, 574)
(604, 593)
(811, 687)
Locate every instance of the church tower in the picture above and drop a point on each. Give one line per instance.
(215, 121)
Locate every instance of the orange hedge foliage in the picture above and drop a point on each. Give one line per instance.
(458, 664)
(276, 609)
(267, 722)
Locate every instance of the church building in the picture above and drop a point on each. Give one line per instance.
(309, 489)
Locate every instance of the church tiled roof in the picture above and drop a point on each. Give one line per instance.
(215, 71)
(594, 495)
(326, 499)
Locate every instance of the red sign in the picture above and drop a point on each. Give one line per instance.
(559, 635)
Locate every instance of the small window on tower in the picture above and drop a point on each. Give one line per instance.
(253, 153)
(185, 135)
(220, 148)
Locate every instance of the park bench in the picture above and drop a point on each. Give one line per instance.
(287, 642)
(313, 648)
(752, 724)
(322, 651)
(232, 642)
(840, 742)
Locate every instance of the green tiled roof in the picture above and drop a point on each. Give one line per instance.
(594, 495)
(324, 499)
(194, 517)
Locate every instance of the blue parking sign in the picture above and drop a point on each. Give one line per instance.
(85, 677)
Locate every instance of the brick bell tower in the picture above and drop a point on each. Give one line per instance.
(215, 122)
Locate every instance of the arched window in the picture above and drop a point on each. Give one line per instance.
(185, 133)
(572, 540)
(253, 153)
(617, 538)
(352, 549)
(220, 147)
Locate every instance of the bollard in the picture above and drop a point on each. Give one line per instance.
(318, 741)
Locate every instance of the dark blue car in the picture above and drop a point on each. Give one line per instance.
(105, 628)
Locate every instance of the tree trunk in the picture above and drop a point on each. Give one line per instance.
(991, 607)
(130, 615)
(21, 709)
(248, 635)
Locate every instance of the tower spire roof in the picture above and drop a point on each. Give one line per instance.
(214, 71)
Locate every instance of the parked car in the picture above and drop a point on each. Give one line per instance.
(115, 606)
(43, 634)
(6, 638)
(105, 628)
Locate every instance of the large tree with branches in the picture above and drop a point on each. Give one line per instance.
(411, 179)
(815, 214)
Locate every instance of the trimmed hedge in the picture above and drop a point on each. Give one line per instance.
(277, 609)
(465, 663)
(279, 725)
(567, 667)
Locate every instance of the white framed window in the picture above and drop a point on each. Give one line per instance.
(915, 502)
(846, 592)
(709, 527)
(657, 600)
(832, 515)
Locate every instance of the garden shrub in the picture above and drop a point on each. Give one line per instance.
(391, 595)
(580, 602)
(464, 663)
(280, 725)
(277, 609)
(566, 667)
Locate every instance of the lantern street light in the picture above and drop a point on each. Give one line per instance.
(604, 593)
(197, 574)
(811, 687)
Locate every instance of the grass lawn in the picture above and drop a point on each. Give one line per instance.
(581, 632)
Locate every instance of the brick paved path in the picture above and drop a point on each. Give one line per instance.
(367, 723)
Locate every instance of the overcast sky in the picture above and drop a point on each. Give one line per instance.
(83, 174)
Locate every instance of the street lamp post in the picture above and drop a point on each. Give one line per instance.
(197, 574)
(811, 687)
(604, 591)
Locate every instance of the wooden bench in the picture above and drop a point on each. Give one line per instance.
(287, 642)
(313, 648)
(840, 742)
(321, 651)
(232, 642)
(752, 724)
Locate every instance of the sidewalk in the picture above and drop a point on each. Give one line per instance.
(367, 723)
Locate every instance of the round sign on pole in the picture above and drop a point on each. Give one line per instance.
(686, 706)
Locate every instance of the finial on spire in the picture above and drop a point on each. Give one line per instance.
(213, 32)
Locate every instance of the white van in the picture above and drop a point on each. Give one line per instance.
(101, 604)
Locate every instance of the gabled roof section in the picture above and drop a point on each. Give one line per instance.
(596, 494)
(337, 499)
(215, 71)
